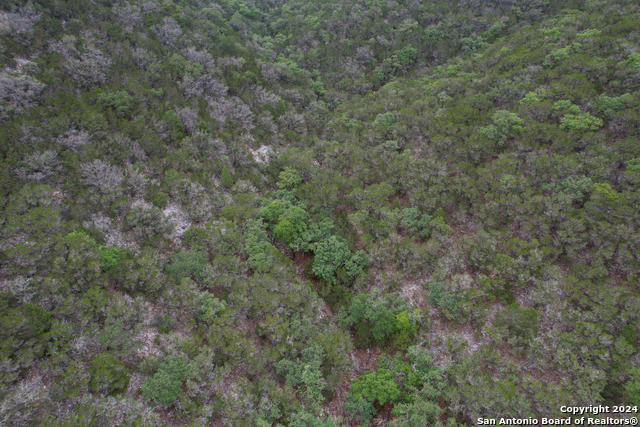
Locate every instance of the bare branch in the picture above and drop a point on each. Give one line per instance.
(101, 175)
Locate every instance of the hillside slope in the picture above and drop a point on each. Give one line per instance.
(317, 214)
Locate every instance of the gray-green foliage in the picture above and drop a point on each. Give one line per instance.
(304, 418)
(361, 407)
(117, 338)
(188, 264)
(257, 246)
(108, 376)
(446, 301)
(79, 263)
(305, 374)
(102, 411)
(521, 322)
(575, 186)
(209, 308)
(71, 382)
(427, 381)
(148, 223)
(632, 387)
(120, 120)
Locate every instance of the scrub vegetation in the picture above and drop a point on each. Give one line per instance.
(317, 214)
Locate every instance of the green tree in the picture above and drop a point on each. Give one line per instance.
(372, 386)
(305, 374)
(289, 179)
(226, 179)
(304, 418)
(176, 130)
(385, 119)
(373, 315)
(415, 222)
(117, 338)
(330, 254)
(406, 329)
(110, 257)
(580, 122)
(355, 265)
(284, 231)
(165, 385)
(160, 200)
(121, 102)
(258, 248)
(108, 376)
(632, 386)
(575, 186)
(38, 319)
(360, 407)
(292, 223)
(566, 107)
(505, 125)
(209, 308)
(533, 97)
(606, 202)
(446, 301)
(71, 383)
(318, 88)
(189, 263)
(610, 105)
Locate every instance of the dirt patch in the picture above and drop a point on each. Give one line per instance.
(148, 334)
(146, 338)
(413, 293)
(300, 259)
(179, 218)
(336, 406)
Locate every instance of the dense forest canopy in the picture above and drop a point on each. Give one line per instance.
(313, 214)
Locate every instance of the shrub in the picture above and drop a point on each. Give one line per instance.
(164, 385)
(448, 302)
(385, 119)
(505, 125)
(373, 386)
(110, 257)
(416, 223)
(289, 179)
(121, 102)
(188, 263)
(226, 179)
(107, 375)
(374, 317)
(521, 322)
(160, 200)
(330, 254)
(575, 186)
(39, 321)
